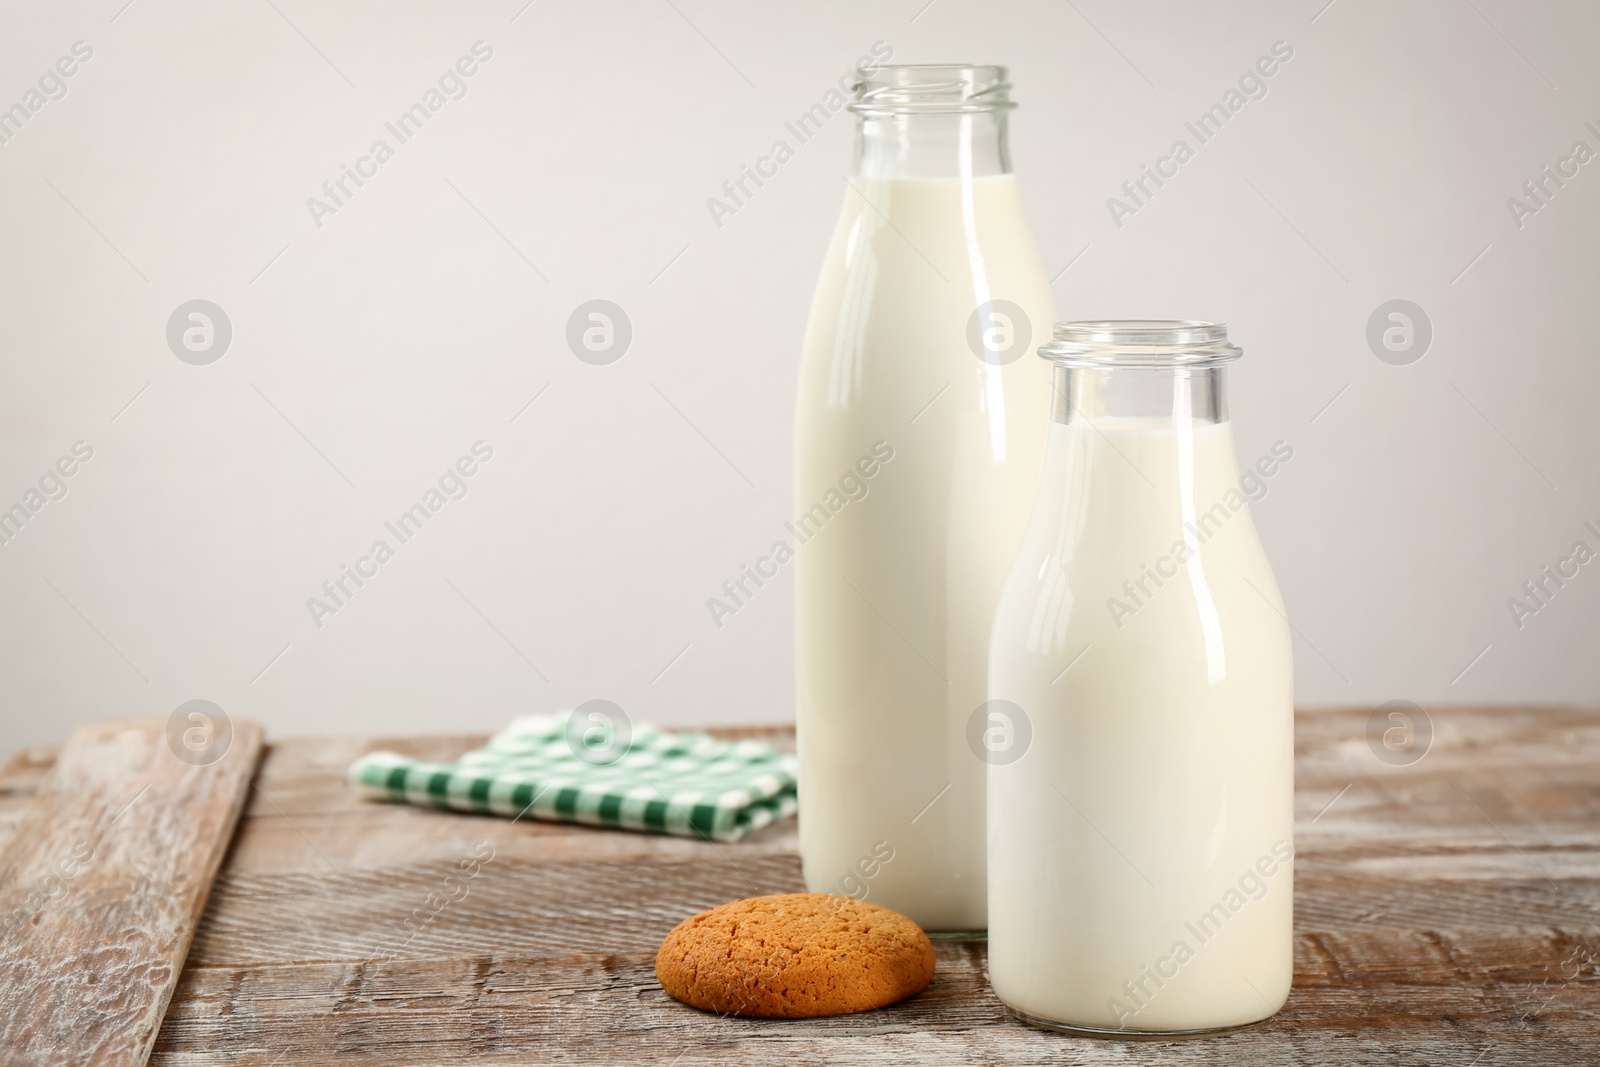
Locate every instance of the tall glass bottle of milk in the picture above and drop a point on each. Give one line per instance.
(918, 441)
(1140, 843)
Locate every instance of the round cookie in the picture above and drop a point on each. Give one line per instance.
(795, 956)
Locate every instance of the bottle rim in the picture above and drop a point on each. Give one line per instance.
(933, 89)
(1109, 343)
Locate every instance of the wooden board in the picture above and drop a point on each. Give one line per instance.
(1445, 914)
(102, 884)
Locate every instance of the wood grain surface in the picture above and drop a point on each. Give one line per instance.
(102, 884)
(1446, 913)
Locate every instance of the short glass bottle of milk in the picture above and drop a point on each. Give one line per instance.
(1140, 843)
(918, 442)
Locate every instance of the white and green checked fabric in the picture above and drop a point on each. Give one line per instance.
(686, 784)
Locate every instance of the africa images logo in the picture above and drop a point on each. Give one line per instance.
(806, 125)
(853, 485)
(452, 85)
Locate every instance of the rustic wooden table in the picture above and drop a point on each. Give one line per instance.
(1446, 913)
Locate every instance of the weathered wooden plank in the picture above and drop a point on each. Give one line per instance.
(556, 909)
(496, 1008)
(19, 780)
(1445, 914)
(102, 887)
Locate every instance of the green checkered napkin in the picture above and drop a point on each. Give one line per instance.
(691, 785)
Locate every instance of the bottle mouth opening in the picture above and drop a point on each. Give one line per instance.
(933, 89)
(1140, 343)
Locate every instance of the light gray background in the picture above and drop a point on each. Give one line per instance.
(370, 353)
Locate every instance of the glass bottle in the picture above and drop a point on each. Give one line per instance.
(918, 442)
(1140, 848)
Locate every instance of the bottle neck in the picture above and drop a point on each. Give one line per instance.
(1175, 395)
(902, 145)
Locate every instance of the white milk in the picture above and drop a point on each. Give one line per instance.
(896, 592)
(1160, 773)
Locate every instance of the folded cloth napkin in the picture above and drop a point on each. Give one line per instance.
(691, 785)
